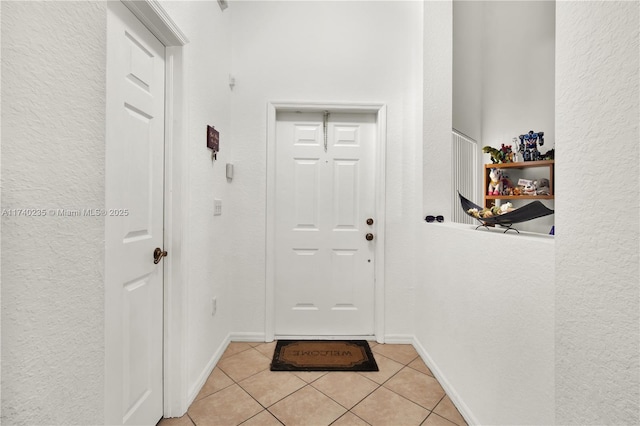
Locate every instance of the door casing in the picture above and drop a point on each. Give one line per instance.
(380, 110)
(175, 385)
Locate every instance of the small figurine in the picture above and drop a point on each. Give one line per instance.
(506, 208)
(502, 155)
(507, 154)
(529, 145)
(495, 184)
(530, 189)
(507, 185)
(542, 187)
(496, 154)
(515, 153)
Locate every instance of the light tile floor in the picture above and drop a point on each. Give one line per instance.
(242, 390)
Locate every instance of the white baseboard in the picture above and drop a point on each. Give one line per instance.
(448, 388)
(324, 337)
(206, 372)
(399, 339)
(247, 337)
(231, 337)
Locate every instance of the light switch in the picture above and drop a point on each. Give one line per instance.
(217, 207)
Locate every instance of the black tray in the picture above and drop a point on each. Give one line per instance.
(530, 211)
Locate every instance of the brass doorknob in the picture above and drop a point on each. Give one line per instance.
(369, 236)
(158, 254)
(370, 221)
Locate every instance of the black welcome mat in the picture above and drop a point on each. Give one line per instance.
(323, 355)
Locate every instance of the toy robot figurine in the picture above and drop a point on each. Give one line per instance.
(529, 145)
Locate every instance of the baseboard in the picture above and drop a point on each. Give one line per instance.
(324, 337)
(231, 337)
(195, 388)
(247, 337)
(448, 388)
(399, 339)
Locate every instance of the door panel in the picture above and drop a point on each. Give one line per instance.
(134, 221)
(324, 266)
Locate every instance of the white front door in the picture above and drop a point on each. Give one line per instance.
(324, 185)
(134, 221)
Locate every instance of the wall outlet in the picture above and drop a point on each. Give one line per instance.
(217, 207)
(214, 306)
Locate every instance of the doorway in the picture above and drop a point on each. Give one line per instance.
(144, 301)
(325, 221)
(134, 225)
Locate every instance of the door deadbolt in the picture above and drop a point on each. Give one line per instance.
(369, 236)
(370, 221)
(158, 254)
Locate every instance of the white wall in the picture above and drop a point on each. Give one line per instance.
(485, 321)
(468, 65)
(592, 300)
(597, 278)
(437, 108)
(518, 71)
(485, 327)
(504, 70)
(53, 153)
(53, 157)
(325, 51)
(208, 242)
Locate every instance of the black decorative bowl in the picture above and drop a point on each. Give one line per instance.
(533, 210)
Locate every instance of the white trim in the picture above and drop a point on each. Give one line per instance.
(381, 208)
(176, 221)
(156, 19)
(464, 410)
(380, 109)
(313, 337)
(175, 381)
(247, 337)
(399, 339)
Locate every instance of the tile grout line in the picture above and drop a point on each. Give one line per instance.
(403, 397)
(310, 384)
(348, 409)
(352, 413)
(222, 388)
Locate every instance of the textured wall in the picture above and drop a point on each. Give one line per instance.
(597, 220)
(324, 51)
(52, 267)
(487, 321)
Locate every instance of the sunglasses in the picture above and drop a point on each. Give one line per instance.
(436, 218)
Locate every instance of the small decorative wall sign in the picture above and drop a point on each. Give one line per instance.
(213, 141)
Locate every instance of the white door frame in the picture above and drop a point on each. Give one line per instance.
(175, 385)
(380, 110)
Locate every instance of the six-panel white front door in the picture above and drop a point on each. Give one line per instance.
(325, 193)
(134, 221)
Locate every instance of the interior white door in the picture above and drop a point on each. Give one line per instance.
(134, 221)
(324, 264)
